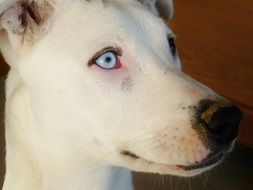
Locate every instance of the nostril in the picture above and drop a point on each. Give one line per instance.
(224, 123)
(220, 120)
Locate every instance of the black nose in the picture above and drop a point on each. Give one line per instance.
(221, 120)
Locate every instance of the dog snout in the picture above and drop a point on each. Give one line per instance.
(221, 121)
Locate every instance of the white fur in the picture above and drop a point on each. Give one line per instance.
(66, 123)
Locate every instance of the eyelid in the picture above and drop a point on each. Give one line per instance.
(116, 50)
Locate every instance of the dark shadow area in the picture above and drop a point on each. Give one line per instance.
(2, 138)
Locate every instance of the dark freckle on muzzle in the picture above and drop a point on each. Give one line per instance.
(126, 84)
(129, 154)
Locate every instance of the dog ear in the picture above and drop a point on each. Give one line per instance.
(22, 20)
(164, 8)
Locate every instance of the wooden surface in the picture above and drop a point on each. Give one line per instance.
(215, 43)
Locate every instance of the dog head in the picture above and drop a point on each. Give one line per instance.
(104, 81)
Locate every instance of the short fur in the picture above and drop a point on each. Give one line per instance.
(74, 126)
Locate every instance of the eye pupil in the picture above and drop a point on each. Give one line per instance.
(108, 59)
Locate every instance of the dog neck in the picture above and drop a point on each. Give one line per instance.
(30, 166)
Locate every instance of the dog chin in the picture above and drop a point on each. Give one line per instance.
(139, 164)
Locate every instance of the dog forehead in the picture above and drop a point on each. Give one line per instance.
(79, 29)
(114, 10)
(90, 21)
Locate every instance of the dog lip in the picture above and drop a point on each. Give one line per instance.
(205, 163)
(211, 160)
(134, 157)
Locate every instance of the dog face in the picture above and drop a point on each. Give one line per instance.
(104, 81)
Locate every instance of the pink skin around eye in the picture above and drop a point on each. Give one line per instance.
(121, 70)
(125, 64)
(111, 79)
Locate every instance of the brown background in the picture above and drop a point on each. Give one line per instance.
(215, 41)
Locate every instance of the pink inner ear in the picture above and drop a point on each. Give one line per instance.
(6, 4)
(10, 18)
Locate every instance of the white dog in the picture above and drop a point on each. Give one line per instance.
(95, 86)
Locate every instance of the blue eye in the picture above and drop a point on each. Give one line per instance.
(107, 60)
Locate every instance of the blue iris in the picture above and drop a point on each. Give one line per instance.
(107, 60)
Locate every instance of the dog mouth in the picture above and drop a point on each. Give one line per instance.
(209, 162)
